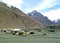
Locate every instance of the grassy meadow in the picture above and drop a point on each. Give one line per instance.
(50, 37)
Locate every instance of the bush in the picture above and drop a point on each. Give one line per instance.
(44, 33)
(31, 32)
(20, 33)
(13, 33)
(39, 30)
(4, 30)
(52, 30)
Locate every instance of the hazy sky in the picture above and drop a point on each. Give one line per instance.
(49, 8)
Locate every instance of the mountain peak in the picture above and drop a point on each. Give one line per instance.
(39, 17)
(34, 11)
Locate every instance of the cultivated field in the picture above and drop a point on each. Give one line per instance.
(33, 38)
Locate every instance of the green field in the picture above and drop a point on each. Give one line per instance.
(35, 38)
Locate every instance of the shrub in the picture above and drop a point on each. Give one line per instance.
(44, 33)
(31, 32)
(20, 33)
(13, 33)
(39, 30)
(52, 30)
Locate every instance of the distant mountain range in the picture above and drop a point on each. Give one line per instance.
(12, 17)
(57, 22)
(39, 17)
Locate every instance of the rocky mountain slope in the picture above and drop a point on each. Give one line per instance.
(12, 17)
(39, 17)
(57, 21)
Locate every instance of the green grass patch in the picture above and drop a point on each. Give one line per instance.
(34, 38)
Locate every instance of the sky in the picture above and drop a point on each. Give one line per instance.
(49, 8)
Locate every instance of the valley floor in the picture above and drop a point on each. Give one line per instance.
(34, 38)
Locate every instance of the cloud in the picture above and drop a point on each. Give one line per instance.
(15, 3)
(45, 4)
(0, 0)
(53, 14)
